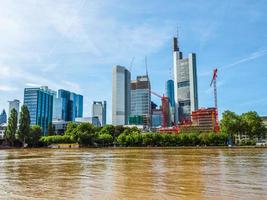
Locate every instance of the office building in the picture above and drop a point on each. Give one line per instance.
(40, 104)
(121, 95)
(92, 120)
(156, 118)
(14, 104)
(3, 117)
(67, 106)
(99, 109)
(185, 84)
(170, 95)
(141, 100)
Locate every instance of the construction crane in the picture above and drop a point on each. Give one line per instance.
(213, 82)
(164, 109)
(131, 63)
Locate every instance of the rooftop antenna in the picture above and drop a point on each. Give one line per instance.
(131, 64)
(177, 36)
(146, 65)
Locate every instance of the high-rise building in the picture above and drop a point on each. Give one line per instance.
(13, 104)
(121, 95)
(40, 104)
(99, 109)
(77, 108)
(185, 83)
(170, 95)
(141, 99)
(3, 117)
(67, 106)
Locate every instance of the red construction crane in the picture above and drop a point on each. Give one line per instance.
(164, 108)
(213, 82)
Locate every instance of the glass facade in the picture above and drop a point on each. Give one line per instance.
(67, 106)
(185, 85)
(99, 110)
(40, 104)
(141, 99)
(3, 117)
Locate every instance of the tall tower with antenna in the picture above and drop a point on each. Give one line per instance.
(185, 83)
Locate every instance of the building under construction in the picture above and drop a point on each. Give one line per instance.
(140, 101)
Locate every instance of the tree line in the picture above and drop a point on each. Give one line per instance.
(232, 126)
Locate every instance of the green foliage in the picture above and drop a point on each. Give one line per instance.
(104, 139)
(247, 142)
(248, 124)
(10, 132)
(56, 139)
(24, 124)
(85, 134)
(34, 136)
(51, 130)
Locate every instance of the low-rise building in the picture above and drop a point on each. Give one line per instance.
(93, 120)
(2, 130)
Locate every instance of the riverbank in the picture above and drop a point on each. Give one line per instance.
(145, 148)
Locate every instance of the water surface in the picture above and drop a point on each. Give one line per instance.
(133, 174)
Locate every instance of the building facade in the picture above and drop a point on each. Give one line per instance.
(141, 99)
(121, 95)
(99, 109)
(185, 84)
(13, 105)
(40, 104)
(3, 117)
(170, 95)
(67, 106)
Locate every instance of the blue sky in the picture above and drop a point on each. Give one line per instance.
(74, 44)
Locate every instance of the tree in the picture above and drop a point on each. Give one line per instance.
(10, 133)
(34, 136)
(254, 127)
(24, 124)
(231, 124)
(51, 130)
(85, 134)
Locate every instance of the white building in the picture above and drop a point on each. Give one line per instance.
(99, 109)
(121, 95)
(185, 84)
(13, 104)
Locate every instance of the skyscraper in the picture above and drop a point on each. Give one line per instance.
(170, 95)
(13, 104)
(67, 106)
(40, 104)
(121, 95)
(185, 83)
(99, 109)
(141, 99)
(3, 117)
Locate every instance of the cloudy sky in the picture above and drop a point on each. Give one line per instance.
(74, 44)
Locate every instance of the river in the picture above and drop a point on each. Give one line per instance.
(134, 173)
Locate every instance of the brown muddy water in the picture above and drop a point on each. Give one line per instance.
(133, 173)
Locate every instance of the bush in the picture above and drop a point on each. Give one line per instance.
(104, 139)
(56, 139)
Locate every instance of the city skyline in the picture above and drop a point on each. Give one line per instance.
(221, 34)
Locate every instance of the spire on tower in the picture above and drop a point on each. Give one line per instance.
(176, 41)
(146, 65)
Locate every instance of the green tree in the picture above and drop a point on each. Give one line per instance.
(254, 126)
(104, 139)
(231, 124)
(51, 130)
(24, 124)
(85, 133)
(34, 136)
(10, 132)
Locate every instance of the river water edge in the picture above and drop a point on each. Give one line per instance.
(134, 173)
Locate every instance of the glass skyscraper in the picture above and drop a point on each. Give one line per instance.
(170, 95)
(67, 106)
(3, 117)
(141, 99)
(121, 95)
(40, 104)
(185, 84)
(99, 109)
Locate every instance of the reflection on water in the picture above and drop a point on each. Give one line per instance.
(133, 174)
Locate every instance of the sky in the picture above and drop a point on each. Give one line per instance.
(73, 45)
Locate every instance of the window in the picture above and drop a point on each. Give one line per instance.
(183, 84)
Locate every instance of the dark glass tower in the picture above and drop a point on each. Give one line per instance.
(40, 104)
